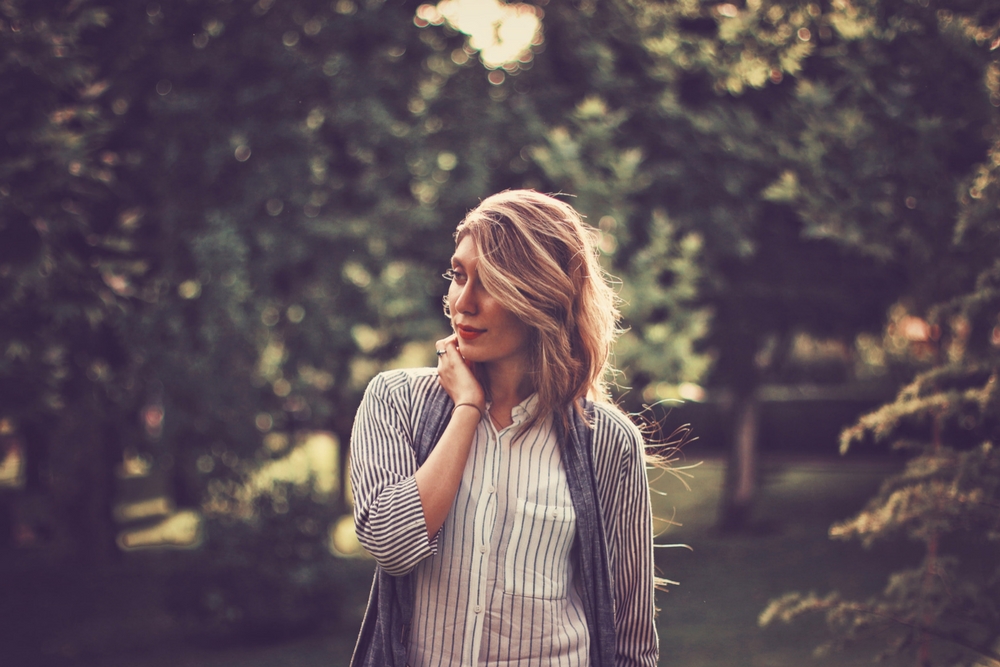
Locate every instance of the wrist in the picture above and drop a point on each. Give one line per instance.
(469, 404)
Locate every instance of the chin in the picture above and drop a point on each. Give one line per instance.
(469, 353)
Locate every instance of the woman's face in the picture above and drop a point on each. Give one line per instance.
(487, 332)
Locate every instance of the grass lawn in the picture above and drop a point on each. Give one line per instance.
(709, 620)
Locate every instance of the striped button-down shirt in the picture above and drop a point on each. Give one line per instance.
(500, 591)
(489, 588)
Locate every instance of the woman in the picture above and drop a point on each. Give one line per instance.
(503, 497)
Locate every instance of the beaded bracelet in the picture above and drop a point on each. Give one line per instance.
(482, 413)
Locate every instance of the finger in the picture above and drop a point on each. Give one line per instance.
(441, 348)
(443, 343)
(444, 346)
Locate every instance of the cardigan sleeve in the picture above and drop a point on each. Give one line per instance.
(388, 516)
(631, 543)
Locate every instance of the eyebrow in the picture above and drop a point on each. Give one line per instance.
(456, 261)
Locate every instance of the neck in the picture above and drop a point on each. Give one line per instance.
(509, 384)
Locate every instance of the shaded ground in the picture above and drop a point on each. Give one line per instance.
(710, 619)
(117, 618)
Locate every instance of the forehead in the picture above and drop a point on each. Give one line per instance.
(466, 252)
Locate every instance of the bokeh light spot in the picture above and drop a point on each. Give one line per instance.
(346, 7)
(344, 539)
(281, 387)
(189, 289)
(269, 316)
(728, 10)
(501, 32)
(447, 161)
(276, 442)
(264, 422)
(312, 27)
(205, 464)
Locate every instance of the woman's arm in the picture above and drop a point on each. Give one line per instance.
(388, 515)
(398, 509)
(439, 477)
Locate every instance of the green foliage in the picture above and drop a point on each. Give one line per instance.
(663, 322)
(219, 220)
(265, 576)
(660, 278)
(947, 499)
(659, 130)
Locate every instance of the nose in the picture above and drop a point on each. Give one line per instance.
(464, 298)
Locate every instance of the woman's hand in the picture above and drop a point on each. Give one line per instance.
(439, 477)
(456, 376)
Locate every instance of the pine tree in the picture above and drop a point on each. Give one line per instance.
(946, 500)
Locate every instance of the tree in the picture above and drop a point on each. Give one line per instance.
(709, 108)
(942, 611)
(947, 500)
(219, 219)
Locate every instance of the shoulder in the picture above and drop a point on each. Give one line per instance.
(617, 441)
(613, 426)
(400, 378)
(407, 385)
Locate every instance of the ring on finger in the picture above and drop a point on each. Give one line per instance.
(441, 352)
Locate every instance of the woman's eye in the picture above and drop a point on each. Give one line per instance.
(453, 275)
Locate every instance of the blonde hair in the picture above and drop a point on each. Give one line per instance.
(539, 259)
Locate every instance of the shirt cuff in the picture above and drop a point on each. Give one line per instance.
(406, 541)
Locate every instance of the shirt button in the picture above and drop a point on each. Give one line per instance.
(477, 609)
(492, 489)
(555, 514)
(482, 548)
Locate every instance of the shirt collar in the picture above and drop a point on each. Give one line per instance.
(523, 411)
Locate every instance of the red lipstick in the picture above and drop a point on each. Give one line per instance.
(468, 333)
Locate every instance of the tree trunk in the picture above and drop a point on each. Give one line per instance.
(99, 540)
(741, 472)
(342, 433)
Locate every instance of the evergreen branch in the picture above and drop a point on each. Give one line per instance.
(984, 651)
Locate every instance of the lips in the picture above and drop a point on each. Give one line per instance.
(468, 333)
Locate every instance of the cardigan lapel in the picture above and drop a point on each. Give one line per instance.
(594, 570)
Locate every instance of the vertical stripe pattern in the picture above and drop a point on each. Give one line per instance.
(496, 585)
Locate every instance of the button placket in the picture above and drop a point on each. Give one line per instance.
(485, 519)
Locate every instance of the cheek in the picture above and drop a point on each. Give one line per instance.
(450, 298)
(518, 332)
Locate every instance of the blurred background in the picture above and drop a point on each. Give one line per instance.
(220, 218)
